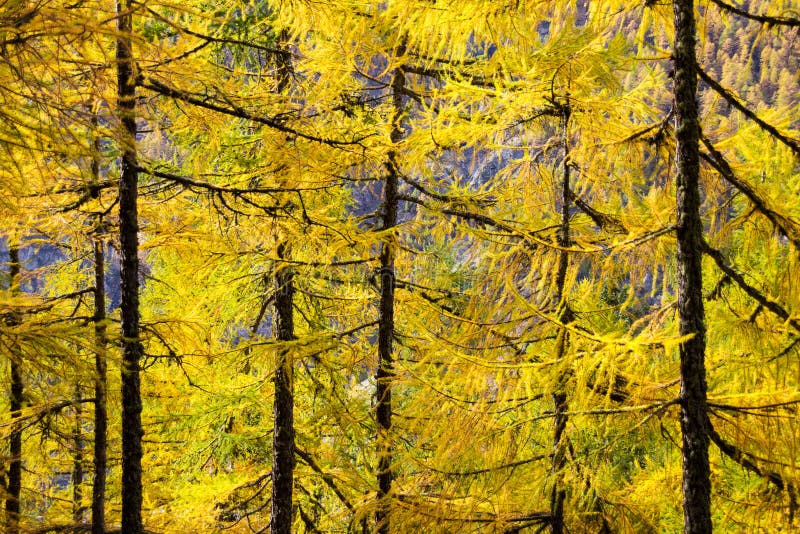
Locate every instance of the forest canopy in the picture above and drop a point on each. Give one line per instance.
(399, 266)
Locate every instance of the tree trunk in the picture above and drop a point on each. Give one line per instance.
(14, 484)
(129, 250)
(77, 459)
(385, 371)
(283, 460)
(283, 434)
(558, 493)
(696, 483)
(100, 411)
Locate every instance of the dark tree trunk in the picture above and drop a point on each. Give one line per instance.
(385, 371)
(129, 307)
(283, 435)
(77, 459)
(696, 482)
(283, 460)
(100, 411)
(14, 484)
(558, 493)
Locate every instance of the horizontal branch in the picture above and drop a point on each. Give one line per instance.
(440, 74)
(771, 406)
(530, 236)
(75, 528)
(474, 472)
(192, 183)
(443, 197)
(485, 518)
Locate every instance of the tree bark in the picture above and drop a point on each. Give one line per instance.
(283, 460)
(696, 481)
(77, 459)
(385, 370)
(129, 250)
(100, 409)
(283, 453)
(14, 483)
(559, 396)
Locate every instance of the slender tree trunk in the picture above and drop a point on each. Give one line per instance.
(77, 459)
(283, 460)
(283, 435)
(14, 484)
(558, 493)
(385, 372)
(129, 249)
(100, 410)
(696, 482)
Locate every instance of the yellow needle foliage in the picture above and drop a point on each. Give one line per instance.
(502, 102)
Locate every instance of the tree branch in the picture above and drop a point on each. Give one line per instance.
(743, 458)
(757, 295)
(720, 164)
(603, 220)
(734, 101)
(234, 111)
(326, 478)
(764, 19)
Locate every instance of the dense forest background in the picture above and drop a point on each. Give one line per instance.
(398, 266)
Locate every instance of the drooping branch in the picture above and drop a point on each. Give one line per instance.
(28, 420)
(793, 144)
(754, 409)
(754, 293)
(764, 19)
(743, 458)
(234, 111)
(715, 158)
(603, 220)
(235, 510)
(326, 477)
(444, 197)
(218, 40)
(787, 349)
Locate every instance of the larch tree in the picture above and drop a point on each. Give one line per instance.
(696, 426)
(386, 323)
(132, 350)
(283, 432)
(100, 432)
(689, 232)
(13, 479)
(439, 278)
(37, 149)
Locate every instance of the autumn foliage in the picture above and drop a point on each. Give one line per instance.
(399, 266)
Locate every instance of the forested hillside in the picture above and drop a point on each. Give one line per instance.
(400, 266)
